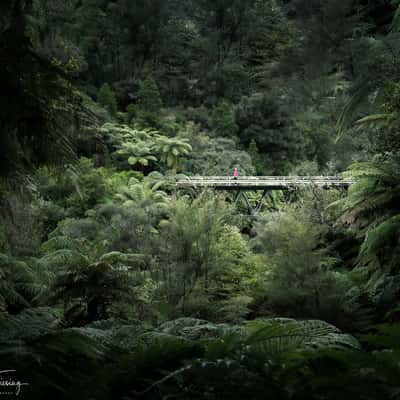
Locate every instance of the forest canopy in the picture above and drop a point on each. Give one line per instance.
(116, 282)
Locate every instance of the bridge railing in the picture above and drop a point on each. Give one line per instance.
(258, 178)
(264, 181)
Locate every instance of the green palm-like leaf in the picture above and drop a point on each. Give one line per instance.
(64, 258)
(253, 349)
(378, 120)
(133, 160)
(371, 208)
(172, 149)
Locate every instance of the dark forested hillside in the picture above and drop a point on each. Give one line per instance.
(122, 279)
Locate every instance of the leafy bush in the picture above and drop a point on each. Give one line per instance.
(371, 207)
(216, 157)
(223, 121)
(149, 96)
(300, 279)
(106, 97)
(18, 285)
(260, 119)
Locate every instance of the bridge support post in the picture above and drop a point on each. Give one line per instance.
(242, 186)
(252, 210)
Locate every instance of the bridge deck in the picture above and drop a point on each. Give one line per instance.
(264, 182)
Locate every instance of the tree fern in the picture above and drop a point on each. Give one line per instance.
(263, 351)
(86, 282)
(382, 290)
(63, 259)
(379, 120)
(17, 284)
(172, 150)
(146, 195)
(372, 207)
(44, 355)
(295, 335)
(384, 53)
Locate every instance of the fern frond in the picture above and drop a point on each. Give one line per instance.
(58, 243)
(64, 259)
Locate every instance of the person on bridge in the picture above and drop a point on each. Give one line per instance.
(235, 173)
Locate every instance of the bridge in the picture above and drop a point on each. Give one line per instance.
(266, 184)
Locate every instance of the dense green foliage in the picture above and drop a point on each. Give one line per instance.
(116, 284)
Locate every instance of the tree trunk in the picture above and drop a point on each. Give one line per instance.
(93, 310)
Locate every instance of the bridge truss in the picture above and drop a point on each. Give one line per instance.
(266, 184)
